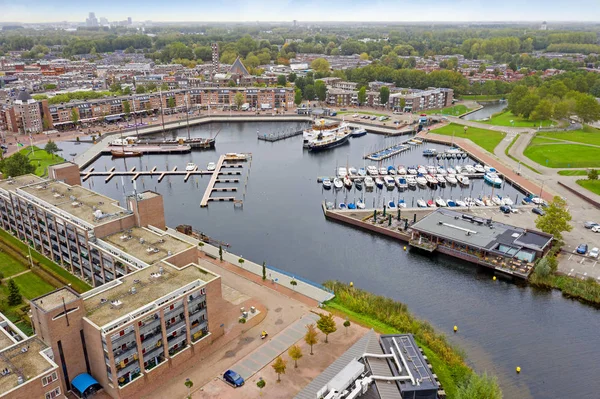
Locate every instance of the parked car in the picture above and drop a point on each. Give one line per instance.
(233, 378)
(538, 211)
(582, 249)
(505, 209)
(594, 252)
(596, 229)
(589, 225)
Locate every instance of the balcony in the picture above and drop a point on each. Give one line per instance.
(178, 308)
(176, 326)
(198, 325)
(150, 333)
(122, 354)
(128, 335)
(154, 352)
(149, 326)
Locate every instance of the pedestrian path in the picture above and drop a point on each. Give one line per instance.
(262, 356)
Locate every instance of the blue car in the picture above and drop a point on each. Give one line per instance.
(582, 249)
(233, 378)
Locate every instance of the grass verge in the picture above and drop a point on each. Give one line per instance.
(31, 285)
(586, 135)
(9, 266)
(515, 159)
(508, 119)
(554, 154)
(456, 110)
(389, 317)
(591, 185)
(41, 159)
(573, 172)
(486, 139)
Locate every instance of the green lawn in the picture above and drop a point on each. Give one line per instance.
(9, 265)
(41, 159)
(487, 139)
(552, 154)
(515, 159)
(573, 172)
(455, 110)
(483, 97)
(592, 185)
(32, 286)
(505, 118)
(587, 135)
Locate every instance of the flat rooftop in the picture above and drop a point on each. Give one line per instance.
(480, 232)
(19, 181)
(5, 341)
(54, 299)
(27, 364)
(101, 310)
(146, 245)
(78, 201)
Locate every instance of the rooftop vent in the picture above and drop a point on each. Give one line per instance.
(103, 300)
(116, 304)
(136, 281)
(161, 270)
(20, 380)
(132, 290)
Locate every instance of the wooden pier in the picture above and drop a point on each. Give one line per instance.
(279, 136)
(227, 161)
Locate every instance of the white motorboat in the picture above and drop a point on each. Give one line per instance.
(411, 181)
(347, 182)
(487, 201)
(401, 170)
(190, 167)
(493, 179)
(401, 182)
(507, 201)
(441, 180)
(470, 202)
(432, 181)
(417, 141)
(211, 166)
(360, 204)
(421, 203)
(489, 169)
(451, 179)
(478, 202)
(369, 182)
(451, 170)
(326, 183)
(462, 180)
(383, 171)
(459, 169)
(337, 183)
(421, 169)
(372, 170)
(412, 170)
(379, 182)
(362, 172)
(391, 170)
(421, 181)
(391, 205)
(460, 203)
(440, 202)
(401, 203)
(389, 182)
(352, 171)
(469, 169)
(479, 168)
(441, 170)
(342, 172)
(497, 201)
(432, 170)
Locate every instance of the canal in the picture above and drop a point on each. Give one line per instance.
(489, 108)
(501, 324)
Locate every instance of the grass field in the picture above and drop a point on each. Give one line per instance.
(455, 110)
(482, 97)
(592, 185)
(587, 135)
(531, 168)
(487, 139)
(573, 172)
(31, 285)
(505, 118)
(41, 159)
(552, 154)
(10, 266)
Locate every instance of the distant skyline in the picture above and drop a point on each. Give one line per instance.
(37, 11)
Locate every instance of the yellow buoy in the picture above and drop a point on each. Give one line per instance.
(518, 369)
(455, 328)
(494, 278)
(405, 247)
(351, 284)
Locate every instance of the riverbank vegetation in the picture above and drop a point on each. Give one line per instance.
(387, 316)
(486, 139)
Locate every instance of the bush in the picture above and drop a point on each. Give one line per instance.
(479, 387)
(593, 174)
(242, 320)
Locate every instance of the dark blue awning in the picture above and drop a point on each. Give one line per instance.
(83, 381)
(112, 118)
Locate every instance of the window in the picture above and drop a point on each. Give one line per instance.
(55, 393)
(49, 379)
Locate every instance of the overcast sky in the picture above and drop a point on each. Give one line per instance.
(302, 10)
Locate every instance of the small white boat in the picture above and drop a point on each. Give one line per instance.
(441, 180)
(421, 203)
(432, 181)
(493, 179)
(460, 203)
(470, 202)
(421, 169)
(479, 168)
(391, 170)
(369, 182)
(451, 179)
(469, 169)
(379, 182)
(362, 172)
(337, 183)
(347, 182)
(507, 201)
(352, 171)
(360, 204)
(411, 181)
(489, 169)
(432, 170)
(342, 172)
(190, 167)
(440, 202)
(383, 171)
(417, 141)
(401, 203)
(451, 170)
(478, 202)
(389, 182)
(372, 170)
(421, 181)
(459, 169)
(462, 180)
(441, 170)
(211, 166)
(401, 170)
(497, 201)
(326, 184)
(412, 170)
(487, 201)
(401, 182)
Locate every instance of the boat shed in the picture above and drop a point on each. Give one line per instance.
(508, 249)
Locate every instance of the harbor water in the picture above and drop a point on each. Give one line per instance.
(502, 324)
(489, 109)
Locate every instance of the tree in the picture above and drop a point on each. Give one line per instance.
(115, 87)
(188, 384)
(14, 296)
(241, 262)
(74, 116)
(200, 244)
(362, 95)
(527, 104)
(16, 165)
(264, 271)
(326, 324)
(543, 111)
(293, 283)
(402, 103)
(298, 97)
(320, 65)
(479, 387)
(563, 109)
(140, 89)
(126, 108)
(291, 77)
(279, 366)
(593, 174)
(364, 56)
(311, 336)
(321, 90)
(261, 384)
(542, 268)
(309, 92)
(171, 102)
(51, 148)
(384, 95)
(221, 253)
(587, 108)
(513, 66)
(238, 99)
(347, 324)
(296, 354)
(281, 81)
(556, 219)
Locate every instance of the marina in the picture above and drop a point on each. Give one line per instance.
(272, 137)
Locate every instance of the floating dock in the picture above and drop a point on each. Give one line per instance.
(390, 151)
(149, 149)
(278, 136)
(223, 163)
(134, 173)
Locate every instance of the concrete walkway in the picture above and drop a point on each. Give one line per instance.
(16, 275)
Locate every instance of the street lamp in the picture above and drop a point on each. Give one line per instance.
(29, 257)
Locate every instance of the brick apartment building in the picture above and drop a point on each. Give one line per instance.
(418, 100)
(342, 98)
(154, 307)
(24, 115)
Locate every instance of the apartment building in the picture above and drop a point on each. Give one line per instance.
(24, 115)
(418, 100)
(342, 98)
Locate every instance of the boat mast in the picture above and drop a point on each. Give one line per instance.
(162, 114)
(137, 134)
(187, 115)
